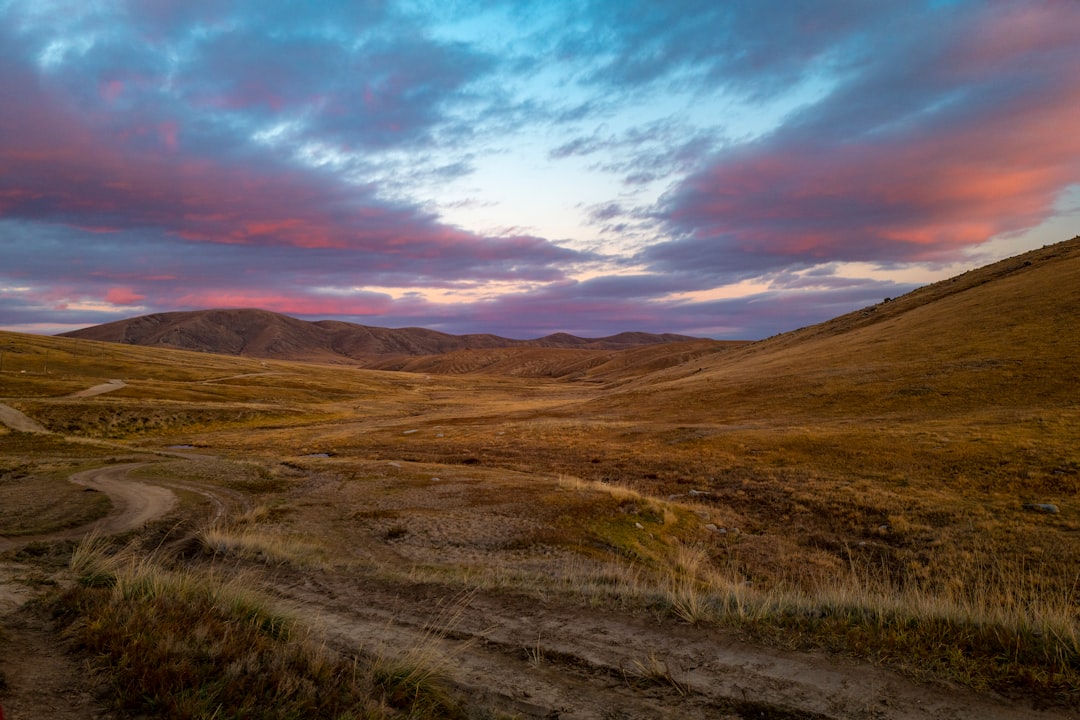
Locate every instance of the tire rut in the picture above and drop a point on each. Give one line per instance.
(542, 660)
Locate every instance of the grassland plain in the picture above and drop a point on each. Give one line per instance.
(509, 546)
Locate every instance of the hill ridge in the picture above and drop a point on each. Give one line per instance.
(254, 332)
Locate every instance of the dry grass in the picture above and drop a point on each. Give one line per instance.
(652, 670)
(417, 678)
(869, 474)
(194, 644)
(253, 543)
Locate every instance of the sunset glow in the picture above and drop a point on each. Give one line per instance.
(718, 169)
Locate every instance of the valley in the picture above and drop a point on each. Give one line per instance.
(851, 520)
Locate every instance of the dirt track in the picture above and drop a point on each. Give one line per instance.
(134, 505)
(99, 389)
(43, 682)
(539, 661)
(17, 421)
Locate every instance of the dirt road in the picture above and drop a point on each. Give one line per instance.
(17, 421)
(99, 389)
(42, 680)
(134, 504)
(539, 660)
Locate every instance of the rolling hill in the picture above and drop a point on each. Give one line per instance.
(589, 365)
(267, 335)
(1003, 336)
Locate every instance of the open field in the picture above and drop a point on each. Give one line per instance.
(848, 521)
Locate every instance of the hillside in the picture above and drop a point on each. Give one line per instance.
(263, 334)
(564, 363)
(1006, 335)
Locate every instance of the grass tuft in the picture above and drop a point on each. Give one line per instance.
(251, 543)
(184, 644)
(417, 679)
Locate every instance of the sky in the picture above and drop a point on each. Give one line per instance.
(720, 169)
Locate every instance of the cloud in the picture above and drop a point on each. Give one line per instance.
(609, 305)
(59, 282)
(748, 47)
(177, 275)
(976, 150)
(123, 296)
(175, 154)
(646, 153)
(58, 166)
(379, 93)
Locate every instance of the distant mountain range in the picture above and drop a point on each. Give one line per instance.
(263, 334)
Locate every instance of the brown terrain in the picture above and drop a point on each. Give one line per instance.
(262, 334)
(875, 517)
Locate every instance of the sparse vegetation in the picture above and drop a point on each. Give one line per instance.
(252, 543)
(193, 644)
(858, 487)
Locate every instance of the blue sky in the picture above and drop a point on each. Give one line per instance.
(729, 170)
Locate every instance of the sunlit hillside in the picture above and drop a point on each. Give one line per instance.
(1003, 336)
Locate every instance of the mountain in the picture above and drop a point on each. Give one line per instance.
(263, 334)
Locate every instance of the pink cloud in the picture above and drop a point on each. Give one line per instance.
(111, 90)
(167, 131)
(123, 296)
(989, 162)
(62, 166)
(1013, 32)
(289, 304)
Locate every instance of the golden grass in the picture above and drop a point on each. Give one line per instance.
(866, 478)
(194, 644)
(253, 543)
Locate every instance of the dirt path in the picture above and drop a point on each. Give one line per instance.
(41, 681)
(223, 502)
(134, 505)
(99, 389)
(541, 661)
(17, 421)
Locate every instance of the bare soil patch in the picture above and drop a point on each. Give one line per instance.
(18, 421)
(99, 389)
(41, 679)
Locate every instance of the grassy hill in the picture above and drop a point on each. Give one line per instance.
(1001, 336)
(602, 366)
(263, 334)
